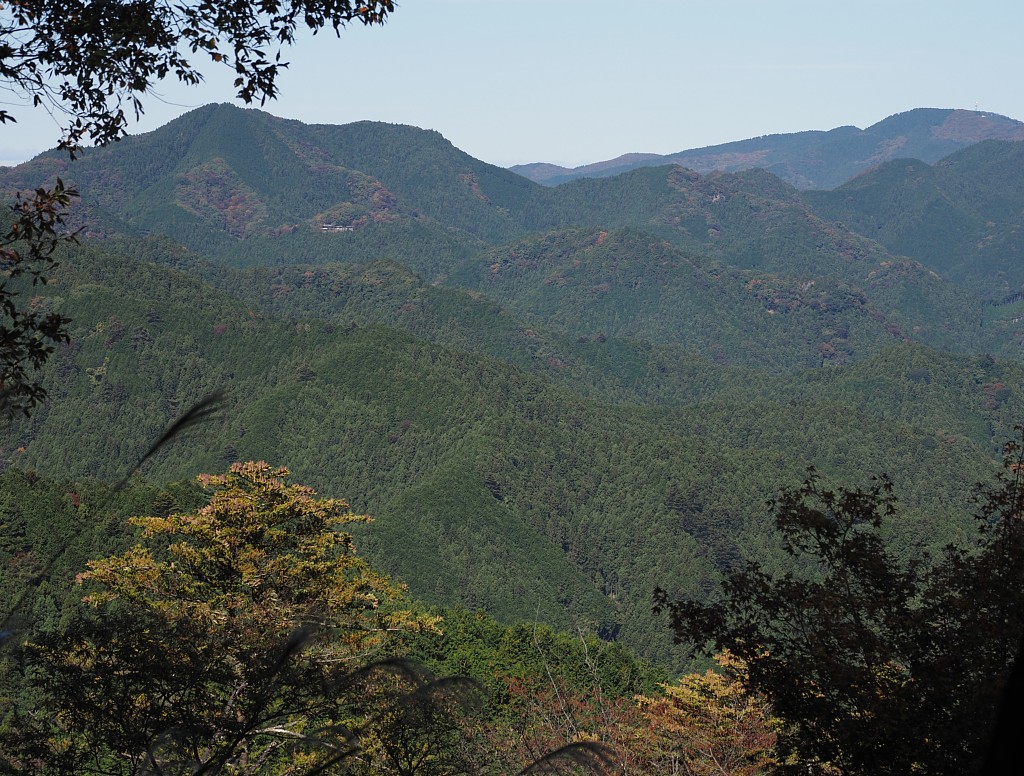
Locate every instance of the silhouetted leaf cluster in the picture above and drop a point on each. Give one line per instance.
(879, 665)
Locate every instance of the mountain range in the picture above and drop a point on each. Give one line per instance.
(814, 159)
(552, 399)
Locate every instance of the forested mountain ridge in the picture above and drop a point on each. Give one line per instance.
(221, 174)
(471, 465)
(816, 159)
(962, 216)
(553, 400)
(628, 283)
(244, 188)
(335, 450)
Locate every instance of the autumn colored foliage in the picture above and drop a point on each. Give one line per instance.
(230, 638)
(246, 636)
(705, 723)
(710, 723)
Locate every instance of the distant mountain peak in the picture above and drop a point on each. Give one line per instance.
(973, 127)
(816, 159)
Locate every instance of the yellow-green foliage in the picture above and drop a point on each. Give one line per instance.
(262, 552)
(711, 723)
(230, 639)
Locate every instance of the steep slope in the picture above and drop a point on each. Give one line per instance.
(963, 216)
(148, 343)
(382, 292)
(491, 487)
(626, 283)
(751, 220)
(245, 188)
(815, 160)
(221, 176)
(969, 397)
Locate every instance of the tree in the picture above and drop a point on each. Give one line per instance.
(90, 62)
(231, 638)
(973, 603)
(826, 645)
(419, 725)
(702, 725)
(27, 334)
(876, 665)
(709, 724)
(558, 726)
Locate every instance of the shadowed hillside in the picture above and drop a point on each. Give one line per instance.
(962, 216)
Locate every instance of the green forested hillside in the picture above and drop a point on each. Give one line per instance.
(961, 216)
(243, 188)
(551, 400)
(194, 181)
(197, 180)
(492, 486)
(629, 283)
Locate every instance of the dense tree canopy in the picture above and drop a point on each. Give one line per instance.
(28, 333)
(227, 638)
(89, 62)
(879, 665)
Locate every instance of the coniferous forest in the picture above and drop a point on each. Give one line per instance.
(361, 455)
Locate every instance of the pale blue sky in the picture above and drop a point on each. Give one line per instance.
(577, 81)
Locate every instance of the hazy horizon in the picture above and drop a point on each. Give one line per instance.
(580, 81)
